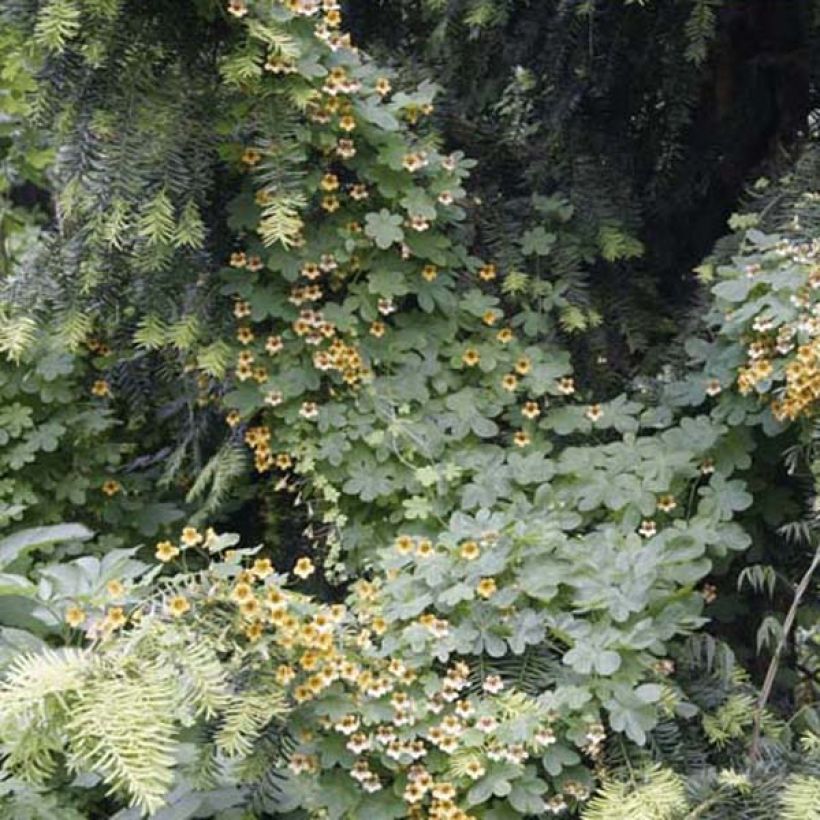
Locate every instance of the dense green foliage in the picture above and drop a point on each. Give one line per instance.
(544, 533)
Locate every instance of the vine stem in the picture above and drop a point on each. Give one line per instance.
(771, 672)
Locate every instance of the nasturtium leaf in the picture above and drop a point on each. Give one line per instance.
(384, 228)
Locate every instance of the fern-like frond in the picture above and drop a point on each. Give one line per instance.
(657, 793)
(245, 719)
(801, 798)
(123, 727)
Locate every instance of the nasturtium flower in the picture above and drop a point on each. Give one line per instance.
(667, 503)
(304, 568)
(405, 544)
(111, 487)
(166, 551)
(115, 589)
(510, 382)
(178, 606)
(523, 366)
(114, 618)
(75, 616)
(487, 587)
(521, 438)
(648, 528)
(262, 568)
(190, 537)
(469, 551)
(238, 8)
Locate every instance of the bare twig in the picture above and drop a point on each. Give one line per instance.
(771, 672)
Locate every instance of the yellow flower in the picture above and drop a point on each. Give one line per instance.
(523, 366)
(594, 412)
(100, 388)
(74, 616)
(190, 537)
(667, 503)
(505, 335)
(244, 335)
(115, 617)
(242, 592)
(251, 156)
(250, 608)
(111, 487)
(115, 589)
(284, 674)
(425, 548)
(273, 345)
(304, 568)
(166, 551)
(486, 587)
(383, 86)
(405, 544)
(521, 438)
(531, 410)
(262, 567)
(253, 632)
(470, 357)
(566, 386)
(487, 272)
(510, 382)
(469, 550)
(237, 8)
(329, 182)
(429, 272)
(178, 606)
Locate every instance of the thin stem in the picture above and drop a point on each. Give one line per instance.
(771, 673)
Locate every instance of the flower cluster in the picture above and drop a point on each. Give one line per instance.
(772, 311)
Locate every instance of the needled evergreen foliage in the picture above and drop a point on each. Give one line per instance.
(538, 505)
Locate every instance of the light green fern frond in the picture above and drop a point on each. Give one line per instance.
(122, 726)
(655, 794)
(156, 223)
(217, 477)
(73, 328)
(245, 718)
(32, 679)
(203, 678)
(281, 222)
(801, 798)
(35, 697)
(17, 334)
(57, 24)
(730, 720)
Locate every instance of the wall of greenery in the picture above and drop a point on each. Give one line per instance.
(408, 410)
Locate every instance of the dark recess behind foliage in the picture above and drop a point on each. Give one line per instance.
(644, 133)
